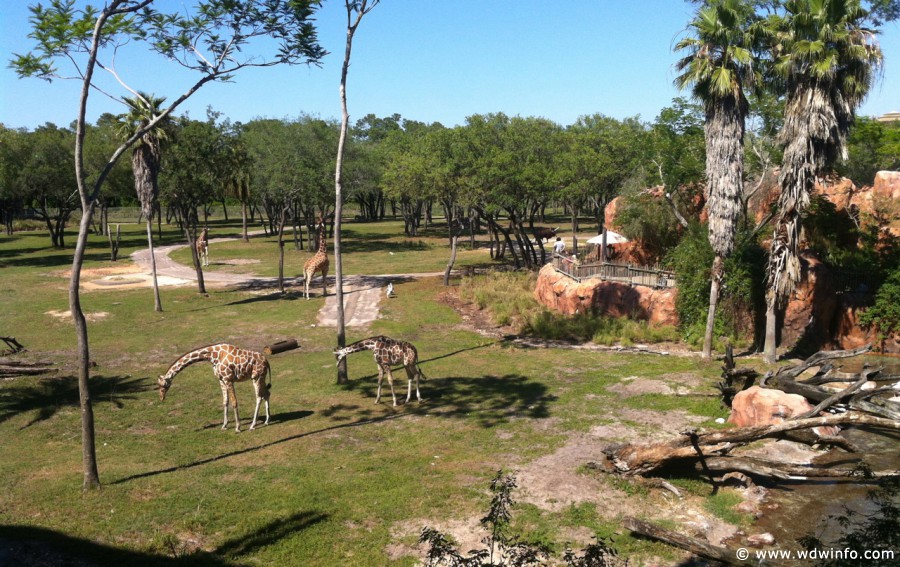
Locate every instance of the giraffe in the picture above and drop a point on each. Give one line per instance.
(230, 364)
(202, 245)
(389, 352)
(318, 263)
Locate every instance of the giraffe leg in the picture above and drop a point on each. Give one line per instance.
(306, 286)
(412, 373)
(262, 393)
(224, 402)
(234, 407)
(324, 284)
(391, 384)
(380, 377)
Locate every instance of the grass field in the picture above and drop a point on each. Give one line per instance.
(334, 479)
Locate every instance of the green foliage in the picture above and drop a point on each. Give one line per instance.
(884, 315)
(505, 549)
(741, 297)
(873, 146)
(722, 503)
(509, 298)
(646, 217)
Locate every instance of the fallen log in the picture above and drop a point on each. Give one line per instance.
(640, 459)
(787, 471)
(12, 368)
(687, 543)
(14, 345)
(282, 346)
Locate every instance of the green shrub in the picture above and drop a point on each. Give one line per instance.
(884, 315)
(741, 297)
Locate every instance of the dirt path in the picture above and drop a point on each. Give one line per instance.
(362, 294)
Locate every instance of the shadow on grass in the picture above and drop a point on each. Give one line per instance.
(489, 400)
(275, 418)
(223, 456)
(26, 545)
(49, 395)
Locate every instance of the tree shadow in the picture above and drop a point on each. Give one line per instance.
(48, 396)
(246, 420)
(489, 400)
(216, 458)
(271, 533)
(27, 545)
(57, 258)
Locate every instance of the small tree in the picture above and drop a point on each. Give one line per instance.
(214, 41)
(360, 8)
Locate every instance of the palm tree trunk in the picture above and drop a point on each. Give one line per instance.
(769, 350)
(157, 302)
(717, 273)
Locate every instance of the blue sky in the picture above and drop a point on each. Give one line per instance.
(432, 61)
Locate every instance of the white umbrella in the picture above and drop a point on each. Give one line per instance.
(612, 237)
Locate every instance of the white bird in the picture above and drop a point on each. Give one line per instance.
(390, 289)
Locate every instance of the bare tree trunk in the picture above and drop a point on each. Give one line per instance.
(246, 237)
(361, 8)
(769, 350)
(454, 238)
(281, 249)
(157, 302)
(717, 269)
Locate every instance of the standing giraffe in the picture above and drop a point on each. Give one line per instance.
(389, 352)
(202, 244)
(318, 263)
(230, 364)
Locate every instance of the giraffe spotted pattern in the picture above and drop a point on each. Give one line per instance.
(389, 352)
(230, 364)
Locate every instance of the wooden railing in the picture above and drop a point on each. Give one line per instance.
(625, 273)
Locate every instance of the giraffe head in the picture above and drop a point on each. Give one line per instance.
(164, 384)
(339, 354)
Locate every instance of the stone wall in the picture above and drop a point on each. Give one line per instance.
(563, 294)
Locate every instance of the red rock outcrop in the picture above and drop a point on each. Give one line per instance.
(561, 293)
(811, 308)
(766, 406)
(847, 332)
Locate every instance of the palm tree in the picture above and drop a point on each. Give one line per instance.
(145, 163)
(718, 67)
(825, 60)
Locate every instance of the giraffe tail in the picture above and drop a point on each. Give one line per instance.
(421, 374)
(269, 375)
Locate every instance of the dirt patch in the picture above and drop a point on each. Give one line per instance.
(98, 316)
(238, 261)
(473, 318)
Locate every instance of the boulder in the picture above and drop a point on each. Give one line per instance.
(766, 406)
(847, 332)
(565, 295)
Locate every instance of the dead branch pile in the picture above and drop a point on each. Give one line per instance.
(710, 451)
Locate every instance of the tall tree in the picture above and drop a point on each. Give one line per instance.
(215, 39)
(356, 10)
(145, 163)
(718, 67)
(825, 59)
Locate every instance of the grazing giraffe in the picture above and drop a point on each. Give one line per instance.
(389, 352)
(202, 245)
(230, 364)
(318, 263)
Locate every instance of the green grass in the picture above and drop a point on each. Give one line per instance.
(334, 479)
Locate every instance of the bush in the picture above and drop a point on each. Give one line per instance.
(741, 297)
(884, 315)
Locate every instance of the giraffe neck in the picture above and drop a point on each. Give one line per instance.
(323, 246)
(358, 346)
(186, 360)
